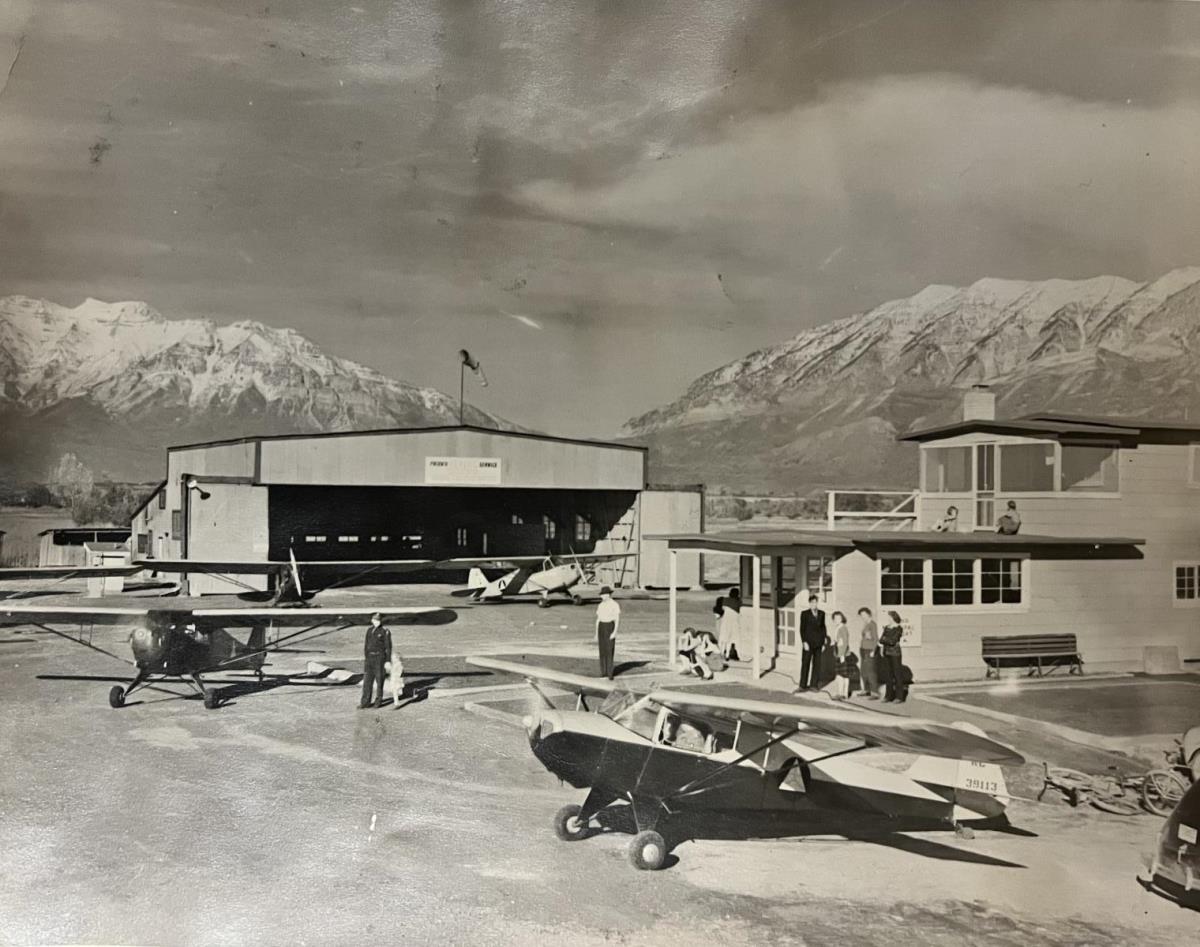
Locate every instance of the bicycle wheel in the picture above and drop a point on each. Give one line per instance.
(1161, 791)
(1117, 805)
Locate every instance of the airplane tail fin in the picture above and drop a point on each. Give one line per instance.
(476, 580)
(978, 790)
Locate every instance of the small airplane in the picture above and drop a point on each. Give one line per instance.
(181, 644)
(670, 753)
(557, 575)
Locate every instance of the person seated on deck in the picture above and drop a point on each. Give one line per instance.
(949, 522)
(1009, 522)
(702, 653)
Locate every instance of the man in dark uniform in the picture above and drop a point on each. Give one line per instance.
(377, 651)
(813, 636)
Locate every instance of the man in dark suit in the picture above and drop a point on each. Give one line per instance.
(813, 636)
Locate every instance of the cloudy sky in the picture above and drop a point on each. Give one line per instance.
(601, 199)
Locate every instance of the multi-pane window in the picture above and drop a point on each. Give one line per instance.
(347, 539)
(902, 582)
(551, 526)
(583, 528)
(177, 523)
(517, 519)
(1187, 582)
(460, 536)
(1000, 581)
(162, 499)
(953, 581)
(314, 539)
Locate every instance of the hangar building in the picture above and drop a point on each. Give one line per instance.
(418, 493)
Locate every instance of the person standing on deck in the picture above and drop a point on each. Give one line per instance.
(813, 636)
(893, 660)
(608, 620)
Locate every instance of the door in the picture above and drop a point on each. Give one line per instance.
(787, 608)
(985, 486)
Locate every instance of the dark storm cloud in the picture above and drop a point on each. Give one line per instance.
(559, 184)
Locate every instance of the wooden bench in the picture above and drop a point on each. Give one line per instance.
(1035, 651)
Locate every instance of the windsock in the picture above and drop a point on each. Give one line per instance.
(473, 364)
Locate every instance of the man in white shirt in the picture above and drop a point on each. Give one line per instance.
(608, 619)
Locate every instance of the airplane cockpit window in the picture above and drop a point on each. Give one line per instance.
(684, 734)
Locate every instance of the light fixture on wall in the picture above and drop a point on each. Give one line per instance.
(194, 484)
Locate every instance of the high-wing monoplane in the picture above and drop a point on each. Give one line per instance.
(668, 753)
(181, 644)
(526, 576)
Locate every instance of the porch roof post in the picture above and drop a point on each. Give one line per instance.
(673, 619)
(756, 611)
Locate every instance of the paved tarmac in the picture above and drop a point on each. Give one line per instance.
(288, 816)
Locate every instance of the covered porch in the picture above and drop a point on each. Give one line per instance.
(776, 571)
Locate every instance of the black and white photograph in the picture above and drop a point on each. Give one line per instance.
(599, 472)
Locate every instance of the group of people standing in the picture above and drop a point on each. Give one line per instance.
(828, 663)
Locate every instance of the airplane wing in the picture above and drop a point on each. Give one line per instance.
(576, 683)
(67, 572)
(492, 562)
(328, 615)
(262, 567)
(51, 614)
(598, 557)
(907, 734)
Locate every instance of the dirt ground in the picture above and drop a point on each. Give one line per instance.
(288, 816)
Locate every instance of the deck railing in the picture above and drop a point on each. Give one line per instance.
(885, 509)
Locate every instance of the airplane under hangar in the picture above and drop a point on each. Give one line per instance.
(413, 493)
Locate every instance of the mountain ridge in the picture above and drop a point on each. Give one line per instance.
(778, 418)
(118, 382)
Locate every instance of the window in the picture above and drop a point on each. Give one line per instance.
(1194, 464)
(347, 539)
(902, 582)
(143, 544)
(1026, 468)
(460, 537)
(947, 469)
(176, 523)
(818, 576)
(551, 526)
(314, 539)
(162, 499)
(1187, 583)
(1000, 581)
(1090, 467)
(517, 519)
(583, 528)
(953, 581)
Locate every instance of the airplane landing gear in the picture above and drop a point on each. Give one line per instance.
(543, 602)
(116, 696)
(576, 599)
(568, 826)
(210, 700)
(648, 851)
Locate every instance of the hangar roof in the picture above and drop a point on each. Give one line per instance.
(437, 428)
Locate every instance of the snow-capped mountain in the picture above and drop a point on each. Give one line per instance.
(117, 382)
(824, 407)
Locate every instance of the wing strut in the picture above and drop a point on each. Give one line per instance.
(86, 644)
(690, 788)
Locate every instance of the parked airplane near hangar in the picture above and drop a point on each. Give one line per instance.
(670, 753)
(182, 644)
(558, 575)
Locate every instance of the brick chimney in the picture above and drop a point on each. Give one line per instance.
(979, 404)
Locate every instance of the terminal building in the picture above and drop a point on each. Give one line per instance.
(1108, 549)
(422, 493)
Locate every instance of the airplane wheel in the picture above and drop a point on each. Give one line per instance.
(210, 700)
(568, 826)
(577, 599)
(648, 851)
(543, 603)
(116, 697)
